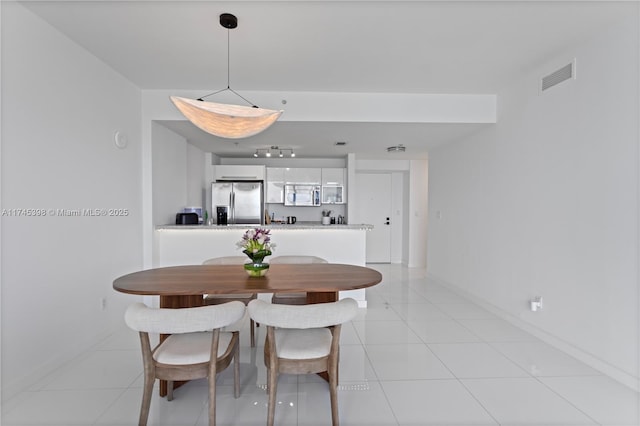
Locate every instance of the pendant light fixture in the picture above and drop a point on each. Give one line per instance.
(224, 120)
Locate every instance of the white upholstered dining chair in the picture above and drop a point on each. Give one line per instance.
(196, 347)
(302, 340)
(216, 299)
(293, 298)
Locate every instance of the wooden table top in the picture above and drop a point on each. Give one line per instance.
(232, 279)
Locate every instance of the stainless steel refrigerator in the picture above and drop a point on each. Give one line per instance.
(237, 203)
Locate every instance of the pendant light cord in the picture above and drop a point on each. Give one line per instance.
(229, 76)
(228, 59)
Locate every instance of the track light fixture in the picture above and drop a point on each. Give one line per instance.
(267, 152)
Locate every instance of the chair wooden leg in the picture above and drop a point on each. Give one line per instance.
(170, 390)
(333, 395)
(146, 399)
(212, 400)
(272, 387)
(212, 376)
(236, 370)
(332, 371)
(253, 333)
(149, 377)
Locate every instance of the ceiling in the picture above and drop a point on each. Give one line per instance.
(452, 47)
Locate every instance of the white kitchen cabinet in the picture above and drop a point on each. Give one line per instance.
(303, 175)
(239, 172)
(274, 186)
(334, 188)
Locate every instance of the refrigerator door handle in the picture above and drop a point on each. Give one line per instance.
(232, 202)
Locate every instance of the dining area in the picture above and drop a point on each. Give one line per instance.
(203, 308)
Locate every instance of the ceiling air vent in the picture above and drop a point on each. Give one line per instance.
(397, 148)
(340, 143)
(563, 74)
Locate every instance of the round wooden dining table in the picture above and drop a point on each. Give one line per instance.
(183, 286)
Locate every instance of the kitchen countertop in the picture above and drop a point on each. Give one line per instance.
(298, 225)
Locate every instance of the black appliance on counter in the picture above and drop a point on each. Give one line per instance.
(187, 219)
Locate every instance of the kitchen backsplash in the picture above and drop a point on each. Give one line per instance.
(305, 214)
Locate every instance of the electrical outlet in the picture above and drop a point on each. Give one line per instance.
(536, 304)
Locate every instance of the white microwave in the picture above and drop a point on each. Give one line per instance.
(301, 194)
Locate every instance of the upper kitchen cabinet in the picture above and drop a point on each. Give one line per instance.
(232, 172)
(275, 185)
(311, 175)
(334, 188)
(277, 177)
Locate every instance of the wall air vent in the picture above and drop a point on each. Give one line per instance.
(565, 73)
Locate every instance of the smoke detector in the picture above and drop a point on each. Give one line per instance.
(396, 148)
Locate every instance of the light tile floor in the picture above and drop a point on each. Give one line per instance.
(419, 355)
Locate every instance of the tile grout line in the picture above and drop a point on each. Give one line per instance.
(386, 397)
(454, 375)
(491, 345)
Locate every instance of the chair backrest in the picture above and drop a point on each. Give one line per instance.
(226, 260)
(140, 317)
(296, 259)
(303, 316)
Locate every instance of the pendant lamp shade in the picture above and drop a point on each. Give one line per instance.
(226, 121)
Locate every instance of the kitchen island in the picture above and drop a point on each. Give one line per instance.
(193, 244)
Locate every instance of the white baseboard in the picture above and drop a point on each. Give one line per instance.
(592, 361)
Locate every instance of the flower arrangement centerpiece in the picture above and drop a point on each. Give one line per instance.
(256, 244)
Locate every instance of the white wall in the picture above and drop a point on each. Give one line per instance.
(417, 206)
(169, 152)
(398, 224)
(196, 190)
(545, 203)
(345, 107)
(61, 107)
(178, 174)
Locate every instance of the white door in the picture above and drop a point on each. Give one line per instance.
(373, 206)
